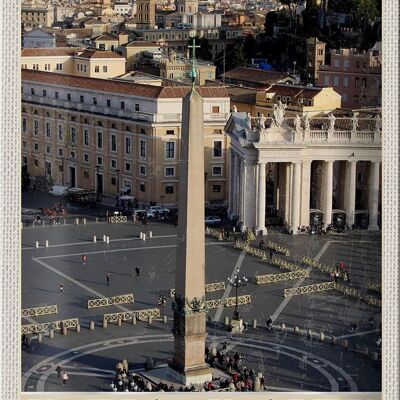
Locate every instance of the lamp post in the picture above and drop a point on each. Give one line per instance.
(237, 282)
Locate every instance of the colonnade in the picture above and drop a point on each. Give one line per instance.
(248, 191)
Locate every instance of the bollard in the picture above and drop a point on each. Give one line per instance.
(76, 221)
(46, 243)
(51, 334)
(141, 235)
(134, 320)
(345, 344)
(108, 239)
(150, 320)
(94, 239)
(64, 330)
(296, 330)
(43, 224)
(119, 321)
(233, 229)
(84, 221)
(254, 323)
(321, 337)
(39, 338)
(37, 244)
(91, 325)
(104, 323)
(309, 333)
(150, 234)
(134, 217)
(78, 328)
(333, 340)
(97, 220)
(65, 221)
(144, 237)
(283, 327)
(104, 238)
(226, 320)
(165, 319)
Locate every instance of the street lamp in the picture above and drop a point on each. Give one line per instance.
(237, 282)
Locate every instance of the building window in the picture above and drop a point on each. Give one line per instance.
(48, 130)
(170, 132)
(326, 80)
(114, 164)
(96, 69)
(142, 187)
(56, 95)
(169, 189)
(136, 107)
(113, 180)
(345, 81)
(215, 109)
(73, 154)
(69, 96)
(128, 167)
(59, 66)
(104, 68)
(217, 131)
(335, 81)
(48, 149)
(217, 149)
(357, 82)
(32, 91)
(36, 146)
(24, 144)
(86, 157)
(127, 145)
(99, 160)
(36, 127)
(108, 103)
(356, 98)
(170, 171)
(344, 97)
(122, 105)
(94, 101)
(86, 137)
(169, 150)
(81, 99)
(99, 140)
(36, 162)
(336, 63)
(73, 135)
(86, 174)
(44, 93)
(364, 82)
(142, 170)
(216, 171)
(23, 124)
(60, 152)
(216, 188)
(113, 143)
(142, 149)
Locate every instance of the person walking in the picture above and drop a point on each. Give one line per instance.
(108, 279)
(58, 370)
(84, 259)
(230, 332)
(137, 270)
(64, 378)
(268, 323)
(261, 244)
(61, 288)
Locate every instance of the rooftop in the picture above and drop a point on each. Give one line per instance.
(48, 52)
(254, 75)
(294, 90)
(99, 54)
(125, 88)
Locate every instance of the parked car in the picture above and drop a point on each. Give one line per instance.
(59, 191)
(158, 209)
(212, 220)
(144, 213)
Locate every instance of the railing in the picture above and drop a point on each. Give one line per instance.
(283, 264)
(318, 287)
(36, 311)
(229, 302)
(47, 326)
(209, 287)
(111, 301)
(117, 219)
(273, 278)
(130, 315)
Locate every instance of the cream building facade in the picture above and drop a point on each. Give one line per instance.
(293, 168)
(105, 135)
(36, 14)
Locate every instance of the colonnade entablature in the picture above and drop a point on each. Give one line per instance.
(288, 167)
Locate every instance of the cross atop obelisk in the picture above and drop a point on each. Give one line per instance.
(189, 305)
(193, 73)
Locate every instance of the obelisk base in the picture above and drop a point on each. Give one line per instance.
(193, 376)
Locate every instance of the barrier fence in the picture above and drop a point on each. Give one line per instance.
(376, 287)
(326, 269)
(117, 219)
(285, 264)
(254, 251)
(47, 326)
(318, 287)
(130, 315)
(36, 311)
(209, 287)
(111, 301)
(278, 248)
(215, 233)
(228, 302)
(352, 292)
(272, 278)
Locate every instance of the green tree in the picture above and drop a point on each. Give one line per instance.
(366, 11)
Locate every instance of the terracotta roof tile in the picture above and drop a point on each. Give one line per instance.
(113, 86)
(105, 38)
(254, 75)
(294, 91)
(48, 52)
(99, 54)
(140, 43)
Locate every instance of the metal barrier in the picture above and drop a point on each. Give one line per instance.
(111, 301)
(352, 292)
(376, 287)
(128, 316)
(47, 326)
(272, 278)
(36, 311)
(318, 287)
(285, 264)
(116, 219)
(228, 302)
(278, 248)
(217, 234)
(326, 269)
(254, 251)
(209, 287)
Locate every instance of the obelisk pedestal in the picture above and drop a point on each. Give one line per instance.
(189, 305)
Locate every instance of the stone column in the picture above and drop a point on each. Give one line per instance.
(231, 184)
(350, 192)
(241, 189)
(296, 192)
(261, 192)
(236, 177)
(305, 193)
(373, 196)
(249, 195)
(288, 175)
(327, 188)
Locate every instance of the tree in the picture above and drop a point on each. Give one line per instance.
(236, 58)
(366, 11)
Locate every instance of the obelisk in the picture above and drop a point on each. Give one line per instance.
(189, 306)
